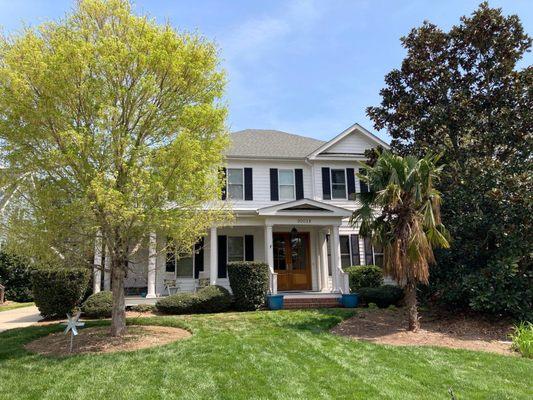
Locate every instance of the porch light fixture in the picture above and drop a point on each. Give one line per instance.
(294, 232)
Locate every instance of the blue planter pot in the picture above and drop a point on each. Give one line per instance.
(275, 301)
(350, 300)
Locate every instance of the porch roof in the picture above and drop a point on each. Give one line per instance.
(304, 207)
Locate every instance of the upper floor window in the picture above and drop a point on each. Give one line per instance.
(235, 183)
(338, 183)
(286, 184)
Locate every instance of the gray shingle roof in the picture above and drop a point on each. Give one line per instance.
(267, 143)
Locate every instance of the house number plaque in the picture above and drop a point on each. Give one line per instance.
(304, 220)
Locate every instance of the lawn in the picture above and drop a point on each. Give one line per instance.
(260, 355)
(12, 305)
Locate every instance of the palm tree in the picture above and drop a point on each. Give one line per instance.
(401, 213)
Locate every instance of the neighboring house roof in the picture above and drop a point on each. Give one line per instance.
(266, 143)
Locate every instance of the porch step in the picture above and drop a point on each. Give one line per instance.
(292, 303)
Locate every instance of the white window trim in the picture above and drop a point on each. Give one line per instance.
(228, 184)
(345, 183)
(243, 249)
(293, 184)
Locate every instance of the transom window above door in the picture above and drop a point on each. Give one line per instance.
(338, 183)
(235, 183)
(286, 184)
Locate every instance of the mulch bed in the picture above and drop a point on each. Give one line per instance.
(97, 340)
(446, 330)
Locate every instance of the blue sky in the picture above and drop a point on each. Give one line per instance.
(309, 67)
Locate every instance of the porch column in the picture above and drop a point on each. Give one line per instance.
(97, 269)
(213, 256)
(335, 258)
(152, 265)
(323, 256)
(269, 258)
(107, 269)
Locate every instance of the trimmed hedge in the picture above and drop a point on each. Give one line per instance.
(382, 296)
(210, 299)
(249, 283)
(57, 292)
(15, 275)
(363, 276)
(98, 305)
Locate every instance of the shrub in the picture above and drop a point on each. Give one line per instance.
(58, 291)
(15, 275)
(364, 276)
(142, 308)
(210, 299)
(382, 296)
(522, 338)
(249, 283)
(98, 305)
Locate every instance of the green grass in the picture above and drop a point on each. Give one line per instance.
(522, 338)
(13, 305)
(260, 355)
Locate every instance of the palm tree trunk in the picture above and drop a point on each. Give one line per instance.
(118, 315)
(412, 308)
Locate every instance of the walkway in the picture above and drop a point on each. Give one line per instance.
(19, 318)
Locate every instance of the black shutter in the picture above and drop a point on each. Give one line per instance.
(170, 265)
(198, 258)
(364, 186)
(356, 257)
(222, 256)
(248, 248)
(225, 187)
(369, 257)
(350, 175)
(299, 179)
(274, 195)
(326, 187)
(248, 186)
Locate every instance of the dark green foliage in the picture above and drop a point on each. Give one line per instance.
(382, 296)
(15, 276)
(57, 292)
(249, 283)
(142, 308)
(98, 305)
(464, 93)
(364, 276)
(210, 299)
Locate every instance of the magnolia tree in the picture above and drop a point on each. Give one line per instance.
(110, 125)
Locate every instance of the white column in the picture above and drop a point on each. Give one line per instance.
(152, 265)
(213, 256)
(323, 256)
(335, 257)
(269, 258)
(107, 269)
(97, 269)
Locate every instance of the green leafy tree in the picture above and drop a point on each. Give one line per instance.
(463, 93)
(402, 214)
(114, 125)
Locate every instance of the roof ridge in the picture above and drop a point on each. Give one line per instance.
(252, 130)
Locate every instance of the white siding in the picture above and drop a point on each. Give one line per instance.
(354, 143)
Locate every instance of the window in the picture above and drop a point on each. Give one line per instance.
(373, 254)
(286, 184)
(235, 183)
(345, 251)
(183, 266)
(338, 184)
(235, 248)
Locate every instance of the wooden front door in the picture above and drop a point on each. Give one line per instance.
(292, 261)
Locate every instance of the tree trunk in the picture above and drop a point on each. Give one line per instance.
(412, 309)
(118, 316)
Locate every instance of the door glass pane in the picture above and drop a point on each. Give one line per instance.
(298, 253)
(235, 248)
(279, 253)
(184, 266)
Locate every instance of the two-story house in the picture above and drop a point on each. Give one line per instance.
(292, 197)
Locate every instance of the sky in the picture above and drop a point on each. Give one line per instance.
(309, 67)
